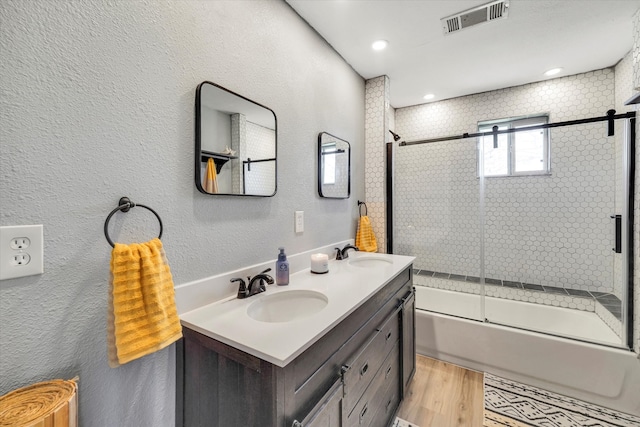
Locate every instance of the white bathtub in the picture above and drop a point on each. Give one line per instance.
(594, 373)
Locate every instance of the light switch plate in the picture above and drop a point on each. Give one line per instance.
(21, 251)
(299, 221)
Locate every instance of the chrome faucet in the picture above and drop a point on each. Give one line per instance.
(343, 253)
(256, 284)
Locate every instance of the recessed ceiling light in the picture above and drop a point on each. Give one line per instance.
(429, 96)
(552, 72)
(379, 44)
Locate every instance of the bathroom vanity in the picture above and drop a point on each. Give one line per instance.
(346, 363)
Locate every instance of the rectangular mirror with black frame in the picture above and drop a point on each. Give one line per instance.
(334, 167)
(236, 140)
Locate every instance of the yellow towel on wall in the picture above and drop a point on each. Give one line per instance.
(142, 315)
(210, 183)
(365, 239)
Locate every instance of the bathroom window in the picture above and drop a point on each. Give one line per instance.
(329, 164)
(517, 153)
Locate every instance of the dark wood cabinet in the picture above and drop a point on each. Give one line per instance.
(328, 412)
(354, 375)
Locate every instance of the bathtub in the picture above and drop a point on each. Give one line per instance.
(598, 374)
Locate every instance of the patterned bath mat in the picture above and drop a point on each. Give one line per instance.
(399, 422)
(508, 403)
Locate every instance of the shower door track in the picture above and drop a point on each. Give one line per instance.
(630, 149)
(566, 337)
(610, 117)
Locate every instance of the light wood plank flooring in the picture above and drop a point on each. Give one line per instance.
(443, 395)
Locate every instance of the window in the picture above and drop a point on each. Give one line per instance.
(329, 165)
(516, 153)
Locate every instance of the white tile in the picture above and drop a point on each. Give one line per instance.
(552, 230)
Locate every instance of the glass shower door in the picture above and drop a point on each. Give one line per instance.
(550, 258)
(436, 219)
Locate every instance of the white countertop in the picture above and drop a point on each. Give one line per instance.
(347, 286)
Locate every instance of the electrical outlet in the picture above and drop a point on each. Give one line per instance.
(299, 223)
(21, 251)
(20, 259)
(20, 243)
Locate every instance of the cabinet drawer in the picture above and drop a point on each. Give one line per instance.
(387, 408)
(367, 362)
(384, 385)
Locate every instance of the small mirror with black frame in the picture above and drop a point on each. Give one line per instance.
(334, 167)
(236, 142)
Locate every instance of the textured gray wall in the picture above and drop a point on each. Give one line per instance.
(97, 102)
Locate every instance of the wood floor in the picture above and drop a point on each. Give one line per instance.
(443, 395)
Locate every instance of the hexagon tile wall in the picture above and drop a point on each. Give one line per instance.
(553, 230)
(546, 229)
(376, 125)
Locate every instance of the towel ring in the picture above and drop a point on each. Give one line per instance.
(124, 205)
(360, 204)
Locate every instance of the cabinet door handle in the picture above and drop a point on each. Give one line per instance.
(364, 368)
(386, 409)
(364, 411)
(407, 296)
(386, 375)
(404, 299)
(618, 248)
(388, 336)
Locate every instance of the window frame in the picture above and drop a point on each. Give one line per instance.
(511, 123)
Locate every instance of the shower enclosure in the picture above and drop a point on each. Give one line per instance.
(526, 225)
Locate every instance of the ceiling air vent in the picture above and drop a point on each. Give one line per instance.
(485, 13)
(453, 24)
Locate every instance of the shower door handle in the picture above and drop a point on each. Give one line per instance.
(618, 248)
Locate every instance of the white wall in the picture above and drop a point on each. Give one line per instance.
(97, 102)
(215, 130)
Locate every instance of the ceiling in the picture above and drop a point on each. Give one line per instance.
(577, 35)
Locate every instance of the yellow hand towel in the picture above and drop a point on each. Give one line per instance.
(365, 239)
(142, 315)
(210, 183)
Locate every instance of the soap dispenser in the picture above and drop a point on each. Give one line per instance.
(282, 269)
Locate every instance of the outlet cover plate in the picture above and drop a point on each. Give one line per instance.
(9, 268)
(299, 221)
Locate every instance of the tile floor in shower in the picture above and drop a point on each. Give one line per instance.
(606, 306)
(609, 301)
(587, 321)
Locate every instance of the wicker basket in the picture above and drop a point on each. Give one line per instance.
(46, 404)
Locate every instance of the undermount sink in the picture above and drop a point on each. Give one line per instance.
(287, 306)
(369, 261)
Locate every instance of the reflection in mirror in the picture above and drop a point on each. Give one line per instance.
(235, 144)
(334, 167)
